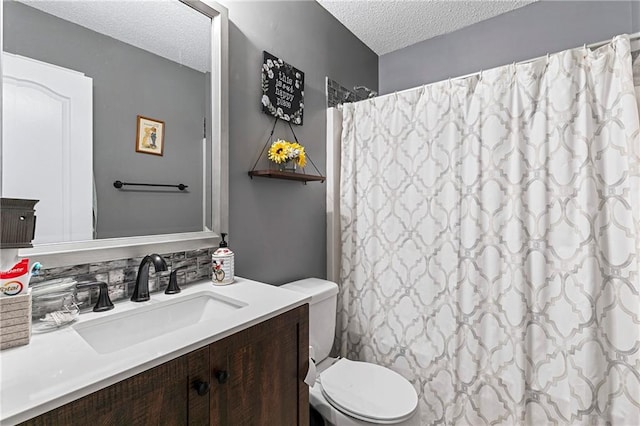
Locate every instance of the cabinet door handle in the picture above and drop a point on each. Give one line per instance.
(221, 376)
(201, 387)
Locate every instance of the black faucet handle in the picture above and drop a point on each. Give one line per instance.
(104, 302)
(173, 288)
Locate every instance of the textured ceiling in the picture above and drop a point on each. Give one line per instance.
(159, 25)
(167, 28)
(388, 25)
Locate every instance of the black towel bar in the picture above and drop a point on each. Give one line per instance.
(119, 184)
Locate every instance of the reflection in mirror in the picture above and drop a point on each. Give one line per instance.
(76, 75)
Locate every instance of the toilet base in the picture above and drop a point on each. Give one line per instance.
(315, 418)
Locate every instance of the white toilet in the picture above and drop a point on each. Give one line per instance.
(350, 392)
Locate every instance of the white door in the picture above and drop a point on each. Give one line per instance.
(47, 146)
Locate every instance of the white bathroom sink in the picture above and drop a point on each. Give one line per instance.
(122, 330)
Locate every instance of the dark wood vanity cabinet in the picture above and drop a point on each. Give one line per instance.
(253, 377)
(161, 395)
(265, 367)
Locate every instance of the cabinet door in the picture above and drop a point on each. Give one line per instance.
(163, 395)
(257, 375)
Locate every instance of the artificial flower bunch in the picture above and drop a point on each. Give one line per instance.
(282, 151)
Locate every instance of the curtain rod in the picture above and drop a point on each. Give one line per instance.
(633, 38)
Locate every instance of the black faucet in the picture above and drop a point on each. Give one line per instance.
(141, 291)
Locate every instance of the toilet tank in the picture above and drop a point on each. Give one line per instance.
(322, 313)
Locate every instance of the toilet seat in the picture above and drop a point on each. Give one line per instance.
(369, 392)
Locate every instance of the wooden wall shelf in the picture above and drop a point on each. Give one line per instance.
(276, 174)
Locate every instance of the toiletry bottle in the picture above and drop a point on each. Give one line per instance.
(15, 281)
(222, 264)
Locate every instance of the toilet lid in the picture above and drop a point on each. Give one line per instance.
(369, 392)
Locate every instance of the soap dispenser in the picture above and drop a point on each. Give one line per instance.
(222, 264)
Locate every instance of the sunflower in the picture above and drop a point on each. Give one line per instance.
(279, 151)
(301, 157)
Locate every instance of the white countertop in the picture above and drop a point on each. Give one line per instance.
(58, 367)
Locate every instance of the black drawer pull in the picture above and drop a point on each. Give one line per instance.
(201, 387)
(221, 376)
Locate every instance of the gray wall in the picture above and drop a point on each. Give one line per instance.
(277, 227)
(127, 81)
(525, 33)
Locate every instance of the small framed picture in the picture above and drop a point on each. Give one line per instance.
(150, 136)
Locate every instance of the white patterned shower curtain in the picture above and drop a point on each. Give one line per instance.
(490, 239)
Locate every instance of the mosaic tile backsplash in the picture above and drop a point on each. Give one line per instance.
(120, 275)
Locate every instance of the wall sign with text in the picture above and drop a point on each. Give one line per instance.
(282, 89)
